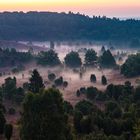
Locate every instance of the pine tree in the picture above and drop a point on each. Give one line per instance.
(107, 59)
(90, 57)
(36, 82)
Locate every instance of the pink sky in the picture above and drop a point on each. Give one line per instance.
(119, 8)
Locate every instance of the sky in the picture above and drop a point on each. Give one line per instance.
(110, 8)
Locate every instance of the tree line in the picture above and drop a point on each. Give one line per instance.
(62, 26)
(15, 59)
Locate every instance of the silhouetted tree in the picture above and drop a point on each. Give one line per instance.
(127, 69)
(107, 59)
(44, 118)
(51, 76)
(104, 80)
(93, 78)
(9, 87)
(103, 49)
(73, 59)
(48, 58)
(90, 57)
(65, 84)
(36, 82)
(59, 81)
(91, 92)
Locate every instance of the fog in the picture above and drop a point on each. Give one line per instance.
(75, 81)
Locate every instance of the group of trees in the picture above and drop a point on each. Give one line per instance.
(107, 59)
(91, 59)
(11, 57)
(112, 114)
(109, 115)
(10, 91)
(72, 59)
(48, 58)
(62, 26)
(49, 121)
(57, 82)
(115, 92)
(94, 80)
(132, 66)
(6, 128)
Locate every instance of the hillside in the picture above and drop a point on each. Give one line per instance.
(61, 26)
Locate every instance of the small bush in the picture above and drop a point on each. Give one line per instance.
(93, 78)
(59, 81)
(65, 84)
(104, 80)
(51, 76)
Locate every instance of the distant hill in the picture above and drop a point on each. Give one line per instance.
(61, 26)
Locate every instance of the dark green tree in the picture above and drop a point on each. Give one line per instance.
(11, 57)
(65, 84)
(73, 59)
(90, 57)
(127, 69)
(19, 95)
(85, 107)
(36, 82)
(51, 76)
(59, 81)
(93, 78)
(48, 58)
(9, 87)
(68, 108)
(43, 117)
(107, 59)
(92, 92)
(104, 80)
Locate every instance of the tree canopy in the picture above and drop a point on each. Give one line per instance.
(36, 82)
(11, 57)
(90, 57)
(107, 59)
(73, 59)
(48, 58)
(43, 117)
(131, 67)
(62, 26)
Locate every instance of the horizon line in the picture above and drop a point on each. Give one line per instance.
(67, 12)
